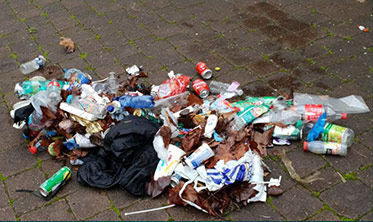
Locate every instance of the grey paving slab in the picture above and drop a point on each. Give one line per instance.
(56, 211)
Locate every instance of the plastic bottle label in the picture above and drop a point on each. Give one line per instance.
(312, 111)
(332, 148)
(39, 62)
(333, 133)
(252, 112)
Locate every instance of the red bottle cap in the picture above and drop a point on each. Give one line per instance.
(344, 115)
(33, 149)
(305, 146)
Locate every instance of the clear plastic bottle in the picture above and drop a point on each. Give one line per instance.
(321, 147)
(32, 65)
(339, 134)
(241, 119)
(87, 105)
(311, 112)
(221, 88)
(113, 83)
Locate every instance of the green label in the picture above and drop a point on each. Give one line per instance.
(333, 133)
(252, 112)
(52, 183)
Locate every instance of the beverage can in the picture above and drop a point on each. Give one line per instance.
(203, 70)
(201, 154)
(53, 184)
(175, 180)
(201, 88)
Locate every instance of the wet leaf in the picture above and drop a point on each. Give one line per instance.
(68, 44)
(173, 195)
(241, 192)
(262, 140)
(194, 100)
(192, 139)
(274, 191)
(165, 133)
(155, 188)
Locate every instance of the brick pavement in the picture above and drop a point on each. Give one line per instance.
(269, 46)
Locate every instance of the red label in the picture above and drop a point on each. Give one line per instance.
(53, 83)
(199, 85)
(312, 111)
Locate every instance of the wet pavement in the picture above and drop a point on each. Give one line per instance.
(268, 46)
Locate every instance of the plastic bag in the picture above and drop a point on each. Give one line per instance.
(349, 104)
(175, 85)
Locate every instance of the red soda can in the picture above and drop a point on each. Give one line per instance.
(203, 70)
(201, 88)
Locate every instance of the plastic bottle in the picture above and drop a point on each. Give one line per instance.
(77, 77)
(113, 83)
(87, 106)
(89, 93)
(142, 102)
(115, 111)
(241, 119)
(28, 88)
(321, 147)
(32, 65)
(339, 134)
(54, 92)
(311, 112)
(220, 88)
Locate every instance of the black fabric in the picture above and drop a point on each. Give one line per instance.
(23, 113)
(127, 159)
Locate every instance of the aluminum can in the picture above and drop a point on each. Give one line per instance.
(50, 186)
(203, 70)
(201, 88)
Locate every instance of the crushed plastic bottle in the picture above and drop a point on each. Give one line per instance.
(321, 147)
(86, 105)
(142, 102)
(225, 88)
(32, 65)
(77, 77)
(243, 118)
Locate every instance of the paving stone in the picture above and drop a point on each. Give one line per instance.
(77, 63)
(103, 71)
(348, 199)
(58, 54)
(237, 56)
(258, 88)
(366, 176)
(241, 36)
(330, 178)
(283, 82)
(256, 211)
(303, 204)
(305, 162)
(162, 29)
(194, 52)
(7, 214)
(326, 84)
(160, 215)
(121, 198)
(326, 215)
(15, 159)
(120, 52)
(197, 30)
(24, 202)
(368, 217)
(366, 139)
(276, 171)
(71, 186)
(3, 197)
(108, 215)
(87, 202)
(242, 76)
(263, 68)
(149, 64)
(56, 211)
(188, 213)
(287, 59)
(357, 157)
(180, 39)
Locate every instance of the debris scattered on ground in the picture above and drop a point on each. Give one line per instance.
(205, 146)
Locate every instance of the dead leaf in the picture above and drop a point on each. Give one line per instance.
(262, 140)
(165, 133)
(192, 139)
(155, 188)
(173, 195)
(241, 192)
(57, 147)
(68, 44)
(194, 100)
(274, 191)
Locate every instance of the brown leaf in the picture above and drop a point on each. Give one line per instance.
(191, 194)
(96, 139)
(241, 192)
(274, 191)
(155, 188)
(193, 100)
(165, 133)
(57, 147)
(262, 140)
(240, 150)
(176, 108)
(192, 139)
(173, 195)
(48, 116)
(68, 44)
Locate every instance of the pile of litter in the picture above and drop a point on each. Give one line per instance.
(205, 145)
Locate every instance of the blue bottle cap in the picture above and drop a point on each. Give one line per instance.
(69, 98)
(116, 98)
(110, 108)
